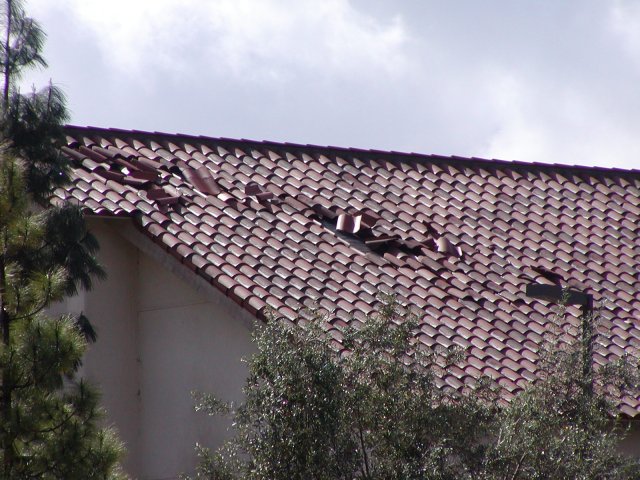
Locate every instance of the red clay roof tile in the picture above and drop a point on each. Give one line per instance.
(507, 216)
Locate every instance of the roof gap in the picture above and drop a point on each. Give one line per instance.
(473, 300)
(162, 196)
(553, 277)
(109, 174)
(324, 213)
(252, 189)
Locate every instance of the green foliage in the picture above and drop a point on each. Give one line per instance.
(34, 125)
(31, 124)
(54, 421)
(66, 244)
(51, 425)
(564, 425)
(377, 410)
(372, 412)
(22, 41)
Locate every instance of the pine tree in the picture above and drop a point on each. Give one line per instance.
(34, 121)
(50, 421)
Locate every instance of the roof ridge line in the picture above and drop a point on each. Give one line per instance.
(388, 154)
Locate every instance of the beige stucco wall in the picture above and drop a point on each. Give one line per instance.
(631, 444)
(161, 334)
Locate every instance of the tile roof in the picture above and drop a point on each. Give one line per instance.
(290, 225)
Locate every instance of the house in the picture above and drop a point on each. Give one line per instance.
(200, 235)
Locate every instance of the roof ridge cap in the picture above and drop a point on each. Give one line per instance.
(388, 154)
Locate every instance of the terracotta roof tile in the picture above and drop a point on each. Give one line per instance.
(246, 217)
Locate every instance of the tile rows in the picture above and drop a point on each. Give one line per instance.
(455, 239)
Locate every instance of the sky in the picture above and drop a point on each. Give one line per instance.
(532, 80)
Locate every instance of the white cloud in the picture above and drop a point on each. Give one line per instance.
(549, 83)
(625, 22)
(543, 122)
(516, 133)
(254, 40)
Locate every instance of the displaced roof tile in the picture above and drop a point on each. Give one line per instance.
(273, 248)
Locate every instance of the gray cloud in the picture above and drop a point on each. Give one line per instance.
(535, 81)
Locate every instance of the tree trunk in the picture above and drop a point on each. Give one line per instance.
(7, 58)
(5, 400)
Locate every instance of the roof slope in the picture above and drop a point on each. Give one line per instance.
(290, 225)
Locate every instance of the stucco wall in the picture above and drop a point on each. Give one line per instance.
(161, 334)
(631, 444)
(159, 338)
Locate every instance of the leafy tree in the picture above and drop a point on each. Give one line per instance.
(377, 410)
(50, 422)
(564, 425)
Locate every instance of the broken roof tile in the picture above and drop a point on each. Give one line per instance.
(306, 238)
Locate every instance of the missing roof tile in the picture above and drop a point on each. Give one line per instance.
(470, 300)
(253, 189)
(162, 196)
(109, 174)
(411, 247)
(144, 175)
(323, 213)
(380, 242)
(227, 198)
(553, 277)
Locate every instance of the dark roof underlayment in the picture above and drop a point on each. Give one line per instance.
(458, 239)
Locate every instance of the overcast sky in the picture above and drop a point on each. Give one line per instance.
(533, 80)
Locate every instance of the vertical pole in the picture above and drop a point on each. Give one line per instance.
(587, 343)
